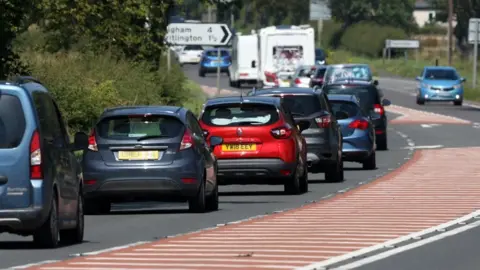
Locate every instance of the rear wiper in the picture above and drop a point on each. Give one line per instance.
(151, 137)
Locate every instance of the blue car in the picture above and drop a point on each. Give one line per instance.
(210, 61)
(358, 131)
(440, 83)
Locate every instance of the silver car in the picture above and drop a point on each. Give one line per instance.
(302, 76)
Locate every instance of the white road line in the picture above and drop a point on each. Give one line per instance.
(25, 266)
(109, 249)
(424, 146)
(184, 259)
(243, 250)
(280, 241)
(227, 245)
(401, 249)
(209, 254)
(390, 243)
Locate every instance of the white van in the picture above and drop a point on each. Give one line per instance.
(244, 67)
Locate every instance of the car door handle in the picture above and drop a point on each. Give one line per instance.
(3, 179)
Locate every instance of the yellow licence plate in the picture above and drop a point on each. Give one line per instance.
(138, 155)
(238, 147)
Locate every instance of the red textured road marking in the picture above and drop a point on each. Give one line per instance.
(212, 91)
(427, 191)
(411, 116)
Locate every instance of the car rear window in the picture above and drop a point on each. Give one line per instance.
(347, 107)
(134, 127)
(12, 121)
(215, 53)
(367, 95)
(302, 104)
(306, 72)
(193, 48)
(320, 72)
(240, 115)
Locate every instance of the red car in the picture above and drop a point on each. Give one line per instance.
(262, 143)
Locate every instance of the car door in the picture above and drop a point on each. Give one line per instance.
(208, 158)
(336, 131)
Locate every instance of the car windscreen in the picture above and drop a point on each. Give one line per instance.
(350, 108)
(193, 48)
(12, 121)
(215, 53)
(366, 95)
(230, 115)
(319, 54)
(302, 105)
(130, 127)
(360, 72)
(441, 74)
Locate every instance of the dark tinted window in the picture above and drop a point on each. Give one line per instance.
(319, 54)
(236, 115)
(441, 74)
(193, 48)
(302, 104)
(306, 72)
(133, 127)
(50, 127)
(349, 108)
(367, 95)
(12, 121)
(194, 125)
(320, 72)
(215, 53)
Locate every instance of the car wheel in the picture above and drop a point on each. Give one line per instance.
(370, 163)
(97, 207)
(420, 101)
(458, 103)
(201, 73)
(304, 180)
(47, 236)
(75, 235)
(382, 142)
(334, 173)
(198, 204)
(212, 200)
(293, 186)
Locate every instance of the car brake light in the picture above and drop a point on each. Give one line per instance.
(36, 171)
(297, 81)
(271, 77)
(324, 121)
(377, 108)
(92, 142)
(281, 132)
(187, 140)
(359, 124)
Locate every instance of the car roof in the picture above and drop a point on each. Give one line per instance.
(215, 49)
(248, 99)
(440, 67)
(286, 90)
(139, 110)
(350, 82)
(339, 97)
(348, 65)
(23, 83)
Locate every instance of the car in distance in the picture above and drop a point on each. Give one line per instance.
(440, 83)
(318, 76)
(149, 153)
(302, 76)
(357, 130)
(190, 54)
(40, 177)
(261, 142)
(345, 72)
(371, 101)
(323, 135)
(320, 57)
(210, 61)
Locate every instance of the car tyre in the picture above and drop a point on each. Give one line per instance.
(75, 235)
(420, 101)
(335, 173)
(370, 163)
(198, 203)
(458, 103)
(304, 180)
(97, 207)
(48, 235)
(201, 73)
(212, 200)
(382, 144)
(293, 186)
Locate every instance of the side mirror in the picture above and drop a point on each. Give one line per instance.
(463, 80)
(302, 125)
(418, 78)
(254, 64)
(80, 141)
(386, 102)
(375, 82)
(214, 141)
(341, 115)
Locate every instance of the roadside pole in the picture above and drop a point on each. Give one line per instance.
(169, 59)
(218, 70)
(319, 31)
(319, 12)
(473, 32)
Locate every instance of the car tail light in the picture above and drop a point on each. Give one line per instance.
(36, 171)
(297, 81)
(187, 140)
(324, 121)
(377, 108)
(271, 77)
(359, 124)
(92, 142)
(281, 132)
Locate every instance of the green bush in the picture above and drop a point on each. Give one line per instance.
(329, 32)
(368, 38)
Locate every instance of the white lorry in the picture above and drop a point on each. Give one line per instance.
(282, 49)
(244, 60)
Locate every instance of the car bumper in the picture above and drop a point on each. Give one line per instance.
(188, 60)
(159, 182)
(357, 147)
(26, 219)
(253, 171)
(432, 95)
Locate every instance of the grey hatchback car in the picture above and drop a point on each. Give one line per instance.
(40, 177)
(149, 153)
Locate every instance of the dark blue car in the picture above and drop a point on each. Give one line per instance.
(210, 61)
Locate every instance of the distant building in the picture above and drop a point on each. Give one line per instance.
(424, 13)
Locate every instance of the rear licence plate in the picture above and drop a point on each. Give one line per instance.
(238, 147)
(138, 155)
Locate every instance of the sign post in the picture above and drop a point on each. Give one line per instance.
(473, 38)
(401, 44)
(203, 34)
(319, 12)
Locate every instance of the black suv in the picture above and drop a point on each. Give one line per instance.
(323, 137)
(317, 78)
(371, 100)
